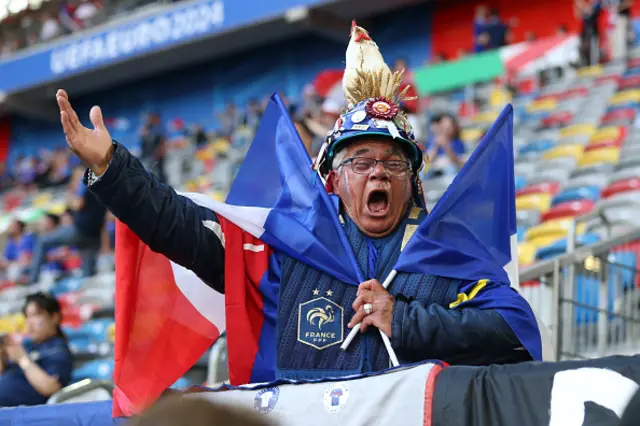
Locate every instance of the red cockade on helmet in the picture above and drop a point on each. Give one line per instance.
(381, 108)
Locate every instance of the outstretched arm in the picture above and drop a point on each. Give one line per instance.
(168, 223)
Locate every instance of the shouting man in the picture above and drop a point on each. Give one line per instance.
(370, 162)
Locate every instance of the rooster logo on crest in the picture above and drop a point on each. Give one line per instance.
(324, 316)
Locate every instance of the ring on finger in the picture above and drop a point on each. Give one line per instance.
(368, 308)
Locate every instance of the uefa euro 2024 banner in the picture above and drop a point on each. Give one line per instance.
(178, 24)
(139, 37)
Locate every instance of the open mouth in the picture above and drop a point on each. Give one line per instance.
(378, 203)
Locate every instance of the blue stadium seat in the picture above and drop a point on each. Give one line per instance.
(521, 182)
(182, 383)
(99, 369)
(591, 192)
(560, 247)
(536, 146)
(67, 285)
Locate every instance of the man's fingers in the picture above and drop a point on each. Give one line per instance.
(65, 105)
(367, 321)
(96, 118)
(365, 296)
(367, 285)
(69, 131)
(356, 318)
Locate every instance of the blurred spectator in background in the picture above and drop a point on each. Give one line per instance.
(481, 36)
(254, 113)
(50, 27)
(88, 219)
(620, 16)
(32, 372)
(17, 251)
(444, 147)
(588, 13)
(152, 142)
(306, 135)
(229, 120)
(199, 136)
(57, 255)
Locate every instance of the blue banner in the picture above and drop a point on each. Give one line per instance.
(183, 23)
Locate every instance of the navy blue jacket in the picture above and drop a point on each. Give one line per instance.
(173, 225)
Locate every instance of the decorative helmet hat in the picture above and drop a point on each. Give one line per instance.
(373, 96)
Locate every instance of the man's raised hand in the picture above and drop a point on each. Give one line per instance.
(93, 147)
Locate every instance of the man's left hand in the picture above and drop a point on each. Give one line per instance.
(382, 313)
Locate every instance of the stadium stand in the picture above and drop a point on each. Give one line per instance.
(577, 178)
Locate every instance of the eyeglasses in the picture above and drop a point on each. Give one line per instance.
(364, 166)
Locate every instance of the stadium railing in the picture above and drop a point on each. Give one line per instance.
(84, 391)
(589, 297)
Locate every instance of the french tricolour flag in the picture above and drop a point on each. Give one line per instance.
(167, 317)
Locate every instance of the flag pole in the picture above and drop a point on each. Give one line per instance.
(387, 343)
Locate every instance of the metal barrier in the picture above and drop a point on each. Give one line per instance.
(589, 297)
(84, 391)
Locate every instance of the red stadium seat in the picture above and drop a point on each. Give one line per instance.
(626, 185)
(632, 63)
(630, 82)
(609, 78)
(568, 209)
(608, 143)
(551, 188)
(579, 91)
(561, 118)
(619, 114)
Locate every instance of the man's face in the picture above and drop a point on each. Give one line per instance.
(376, 200)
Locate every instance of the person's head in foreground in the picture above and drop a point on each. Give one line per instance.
(371, 158)
(42, 317)
(195, 411)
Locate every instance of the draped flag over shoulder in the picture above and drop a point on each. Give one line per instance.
(470, 233)
(167, 317)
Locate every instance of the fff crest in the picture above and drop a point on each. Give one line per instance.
(320, 323)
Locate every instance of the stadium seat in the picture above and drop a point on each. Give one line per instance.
(609, 133)
(591, 193)
(535, 202)
(610, 143)
(599, 156)
(560, 247)
(625, 97)
(552, 230)
(544, 105)
(624, 174)
(557, 119)
(526, 253)
(520, 182)
(545, 188)
(590, 72)
(624, 185)
(538, 146)
(100, 369)
(486, 118)
(471, 135)
(568, 209)
(621, 116)
(559, 151)
(578, 130)
(527, 218)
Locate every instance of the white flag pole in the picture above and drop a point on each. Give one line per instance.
(387, 343)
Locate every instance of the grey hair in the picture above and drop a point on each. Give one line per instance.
(338, 159)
